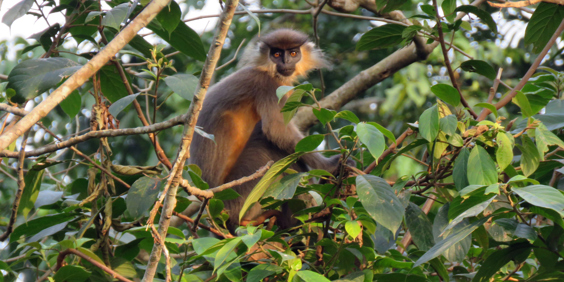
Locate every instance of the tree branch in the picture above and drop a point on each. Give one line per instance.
(63, 254)
(168, 196)
(83, 74)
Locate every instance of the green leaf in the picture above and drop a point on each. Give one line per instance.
(226, 252)
(379, 200)
(251, 239)
(215, 206)
(446, 93)
(370, 136)
(72, 104)
(420, 227)
(294, 100)
(449, 241)
(17, 11)
(116, 16)
(483, 15)
(480, 67)
(285, 188)
(429, 10)
(393, 5)
(504, 151)
(384, 131)
(530, 158)
(142, 195)
(32, 185)
(282, 91)
(460, 170)
(542, 196)
(183, 84)
(183, 39)
(521, 100)
(309, 143)
(262, 271)
(458, 251)
(545, 138)
(353, 228)
(121, 104)
(489, 107)
(71, 273)
(39, 224)
(111, 83)
(169, 17)
(543, 24)
(499, 258)
(470, 207)
(448, 124)
(310, 276)
(32, 77)
(448, 7)
(269, 177)
(381, 37)
(324, 115)
(348, 115)
(429, 123)
(481, 167)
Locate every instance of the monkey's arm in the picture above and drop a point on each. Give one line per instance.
(287, 136)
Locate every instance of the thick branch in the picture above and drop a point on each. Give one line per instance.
(190, 124)
(83, 74)
(94, 134)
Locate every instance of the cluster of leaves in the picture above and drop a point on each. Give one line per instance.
(491, 209)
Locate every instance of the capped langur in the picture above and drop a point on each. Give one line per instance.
(243, 113)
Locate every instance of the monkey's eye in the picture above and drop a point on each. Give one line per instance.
(277, 54)
(293, 54)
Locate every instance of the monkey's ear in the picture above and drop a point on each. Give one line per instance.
(309, 46)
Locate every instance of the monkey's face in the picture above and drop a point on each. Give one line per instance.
(285, 59)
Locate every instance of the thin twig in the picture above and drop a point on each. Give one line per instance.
(63, 254)
(507, 98)
(19, 192)
(447, 62)
(234, 56)
(493, 89)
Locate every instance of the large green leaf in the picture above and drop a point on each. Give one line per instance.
(481, 167)
(309, 143)
(460, 170)
(39, 224)
(420, 227)
(183, 39)
(504, 151)
(381, 37)
(274, 171)
(183, 84)
(116, 16)
(32, 184)
(429, 123)
(379, 200)
(72, 104)
(111, 83)
(517, 252)
(262, 271)
(446, 93)
(545, 138)
(17, 11)
(32, 77)
(530, 158)
(542, 196)
(370, 136)
(310, 276)
(142, 195)
(226, 253)
(483, 15)
(121, 104)
(543, 24)
(71, 273)
(458, 251)
(285, 188)
(471, 208)
(169, 17)
(449, 241)
(479, 67)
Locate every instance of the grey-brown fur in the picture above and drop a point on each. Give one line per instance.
(243, 113)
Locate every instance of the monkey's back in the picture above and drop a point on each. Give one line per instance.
(230, 113)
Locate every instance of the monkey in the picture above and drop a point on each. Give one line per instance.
(242, 111)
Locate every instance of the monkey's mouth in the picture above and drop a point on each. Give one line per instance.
(286, 71)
